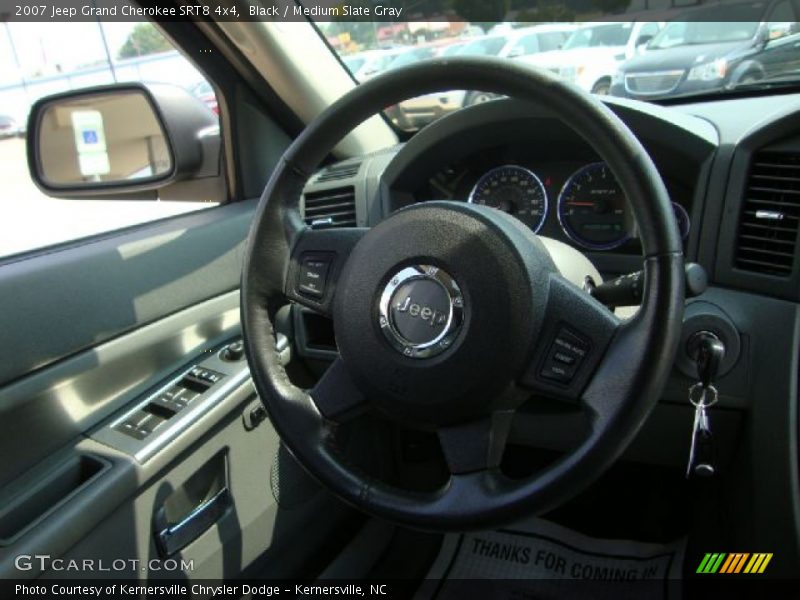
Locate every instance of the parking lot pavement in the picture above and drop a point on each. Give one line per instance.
(29, 219)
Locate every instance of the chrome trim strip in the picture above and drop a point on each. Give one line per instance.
(769, 215)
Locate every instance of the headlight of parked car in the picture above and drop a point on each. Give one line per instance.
(710, 71)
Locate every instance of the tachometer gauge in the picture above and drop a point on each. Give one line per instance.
(514, 190)
(593, 210)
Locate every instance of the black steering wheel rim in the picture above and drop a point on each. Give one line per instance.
(626, 383)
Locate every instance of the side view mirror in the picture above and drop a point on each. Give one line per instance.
(642, 40)
(514, 52)
(120, 140)
(776, 31)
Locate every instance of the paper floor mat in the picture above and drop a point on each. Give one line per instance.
(538, 559)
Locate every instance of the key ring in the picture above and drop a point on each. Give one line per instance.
(700, 400)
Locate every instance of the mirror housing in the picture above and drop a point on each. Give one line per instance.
(643, 40)
(122, 140)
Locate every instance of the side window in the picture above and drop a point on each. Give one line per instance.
(551, 41)
(40, 59)
(649, 29)
(525, 45)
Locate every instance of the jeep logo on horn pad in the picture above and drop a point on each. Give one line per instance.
(421, 311)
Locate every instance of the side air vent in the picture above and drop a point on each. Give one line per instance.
(770, 215)
(336, 172)
(331, 208)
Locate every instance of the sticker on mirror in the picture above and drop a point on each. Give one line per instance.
(90, 142)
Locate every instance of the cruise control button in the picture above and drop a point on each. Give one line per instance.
(570, 344)
(312, 275)
(557, 372)
(563, 358)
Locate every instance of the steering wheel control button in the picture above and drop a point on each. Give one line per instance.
(312, 274)
(421, 311)
(564, 357)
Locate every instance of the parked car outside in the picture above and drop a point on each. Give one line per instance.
(780, 61)
(369, 63)
(204, 92)
(514, 43)
(693, 54)
(453, 49)
(593, 53)
(10, 127)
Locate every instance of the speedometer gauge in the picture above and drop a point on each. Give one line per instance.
(593, 210)
(514, 190)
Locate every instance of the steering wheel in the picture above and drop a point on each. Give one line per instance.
(450, 315)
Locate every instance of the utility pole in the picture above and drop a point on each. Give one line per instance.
(16, 58)
(105, 46)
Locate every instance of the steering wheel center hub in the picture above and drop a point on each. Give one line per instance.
(438, 307)
(421, 311)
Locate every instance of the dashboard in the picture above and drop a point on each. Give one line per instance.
(722, 163)
(526, 162)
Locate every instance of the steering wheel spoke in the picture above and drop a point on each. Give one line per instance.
(317, 259)
(336, 396)
(631, 362)
(576, 333)
(611, 383)
(476, 445)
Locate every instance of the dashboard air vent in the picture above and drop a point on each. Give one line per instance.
(331, 208)
(336, 172)
(770, 215)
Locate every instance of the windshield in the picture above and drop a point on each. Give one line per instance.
(669, 53)
(600, 35)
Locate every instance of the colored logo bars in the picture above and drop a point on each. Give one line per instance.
(741, 562)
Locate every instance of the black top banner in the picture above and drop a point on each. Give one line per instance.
(383, 11)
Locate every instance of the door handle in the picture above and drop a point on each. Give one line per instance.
(173, 538)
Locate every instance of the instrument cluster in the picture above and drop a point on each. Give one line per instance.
(581, 202)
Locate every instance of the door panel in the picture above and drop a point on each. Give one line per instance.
(256, 528)
(93, 331)
(56, 405)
